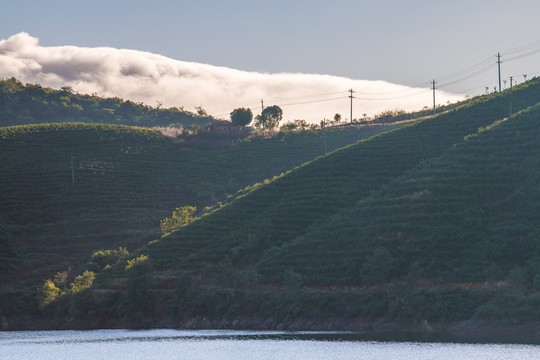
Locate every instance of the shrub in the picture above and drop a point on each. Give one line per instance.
(48, 293)
(109, 257)
(137, 262)
(82, 282)
(180, 217)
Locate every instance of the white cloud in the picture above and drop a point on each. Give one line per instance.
(146, 77)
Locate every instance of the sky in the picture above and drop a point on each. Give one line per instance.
(301, 55)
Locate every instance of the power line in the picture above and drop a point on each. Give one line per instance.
(293, 104)
(393, 97)
(486, 64)
(226, 107)
(469, 76)
(523, 55)
(310, 96)
(481, 65)
(522, 48)
(313, 101)
(466, 73)
(409, 88)
(339, 98)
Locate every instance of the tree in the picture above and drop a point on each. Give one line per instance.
(299, 125)
(201, 112)
(337, 118)
(269, 118)
(67, 90)
(241, 117)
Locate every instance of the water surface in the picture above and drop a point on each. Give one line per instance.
(228, 345)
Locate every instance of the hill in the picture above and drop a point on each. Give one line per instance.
(71, 189)
(33, 104)
(401, 226)
(310, 194)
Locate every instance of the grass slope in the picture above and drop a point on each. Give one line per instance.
(409, 224)
(286, 208)
(251, 256)
(468, 216)
(457, 237)
(125, 180)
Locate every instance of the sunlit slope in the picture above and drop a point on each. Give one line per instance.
(70, 189)
(280, 212)
(468, 216)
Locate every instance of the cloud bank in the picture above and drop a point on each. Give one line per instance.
(149, 78)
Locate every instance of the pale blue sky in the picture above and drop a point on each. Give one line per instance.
(405, 42)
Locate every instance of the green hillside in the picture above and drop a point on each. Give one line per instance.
(71, 189)
(454, 238)
(33, 104)
(289, 206)
(433, 221)
(468, 216)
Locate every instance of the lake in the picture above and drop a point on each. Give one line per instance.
(238, 345)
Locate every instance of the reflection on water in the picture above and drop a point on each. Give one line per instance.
(260, 345)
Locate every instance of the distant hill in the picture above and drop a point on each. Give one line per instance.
(434, 221)
(33, 104)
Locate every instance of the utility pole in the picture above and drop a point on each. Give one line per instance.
(511, 95)
(352, 97)
(324, 126)
(499, 66)
(433, 96)
(262, 105)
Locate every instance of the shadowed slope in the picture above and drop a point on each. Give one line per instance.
(287, 207)
(468, 216)
(70, 189)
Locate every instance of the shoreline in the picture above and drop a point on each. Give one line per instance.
(465, 331)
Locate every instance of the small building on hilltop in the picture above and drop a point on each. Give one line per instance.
(222, 127)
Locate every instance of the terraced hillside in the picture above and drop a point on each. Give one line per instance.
(291, 205)
(71, 189)
(434, 221)
(411, 224)
(468, 216)
(455, 238)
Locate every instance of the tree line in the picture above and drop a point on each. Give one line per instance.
(271, 117)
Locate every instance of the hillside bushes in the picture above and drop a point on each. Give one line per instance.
(33, 104)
